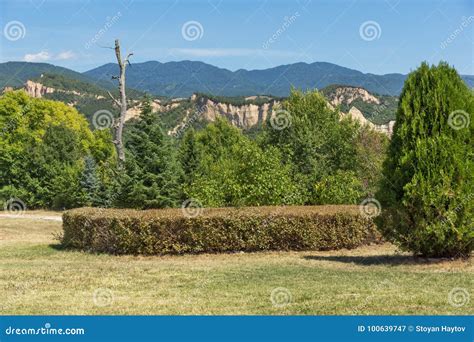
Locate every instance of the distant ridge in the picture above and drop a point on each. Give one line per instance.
(182, 79)
(15, 74)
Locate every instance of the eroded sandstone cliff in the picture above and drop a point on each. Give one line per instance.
(246, 115)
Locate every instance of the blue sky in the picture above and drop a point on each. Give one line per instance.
(382, 36)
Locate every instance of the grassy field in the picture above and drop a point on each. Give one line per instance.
(37, 277)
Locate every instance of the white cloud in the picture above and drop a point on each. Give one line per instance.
(44, 56)
(65, 55)
(37, 57)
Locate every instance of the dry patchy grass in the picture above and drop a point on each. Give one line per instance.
(37, 277)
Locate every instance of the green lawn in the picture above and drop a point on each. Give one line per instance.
(36, 277)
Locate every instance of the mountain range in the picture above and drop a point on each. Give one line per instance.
(182, 79)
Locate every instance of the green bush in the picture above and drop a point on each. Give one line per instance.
(428, 185)
(43, 144)
(216, 230)
(343, 187)
(223, 167)
(371, 147)
(312, 139)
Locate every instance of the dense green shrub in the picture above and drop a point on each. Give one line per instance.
(313, 141)
(223, 167)
(371, 147)
(343, 187)
(43, 144)
(428, 185)
(216, 230)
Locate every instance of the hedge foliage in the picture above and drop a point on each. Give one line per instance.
(170, 231)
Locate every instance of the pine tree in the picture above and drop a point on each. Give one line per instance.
(90, 183)
(427, 193)
(153, 172)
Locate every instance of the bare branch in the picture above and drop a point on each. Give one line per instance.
(128, 57)
(117, 102)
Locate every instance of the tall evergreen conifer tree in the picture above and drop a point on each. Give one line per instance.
(427, 192)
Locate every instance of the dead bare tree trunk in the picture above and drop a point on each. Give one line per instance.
(122, 103)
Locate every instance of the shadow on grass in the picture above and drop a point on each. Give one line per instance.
(370, 260)
(59, 247)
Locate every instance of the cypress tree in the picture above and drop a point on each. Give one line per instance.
(427, 192)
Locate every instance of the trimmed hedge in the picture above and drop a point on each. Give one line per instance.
(169, 231)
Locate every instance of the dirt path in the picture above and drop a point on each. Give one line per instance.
(32, 217)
